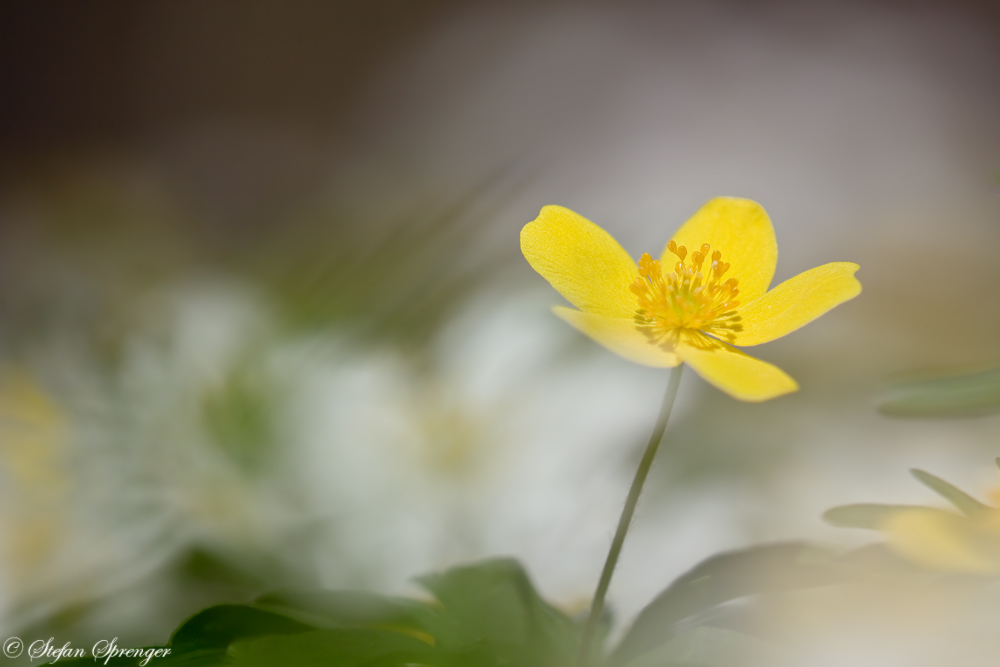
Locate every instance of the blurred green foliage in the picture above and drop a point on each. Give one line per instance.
(489, 614)
(952, 394)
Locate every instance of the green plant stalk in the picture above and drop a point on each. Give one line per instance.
(597, 606)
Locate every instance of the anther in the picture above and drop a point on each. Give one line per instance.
(687, 298)
(680, 251)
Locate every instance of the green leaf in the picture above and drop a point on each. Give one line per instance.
(343, 647)
(866, 515)
(724, 577)
(708, 646)
(494, 604)
(202, 640)
(966, 395)
(965, 503)
(332, 609)
(219, 626)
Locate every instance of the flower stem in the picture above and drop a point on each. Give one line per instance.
(597, 606)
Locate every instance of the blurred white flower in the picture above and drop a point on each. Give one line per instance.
(510, 437)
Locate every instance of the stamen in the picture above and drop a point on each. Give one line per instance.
(689, 299)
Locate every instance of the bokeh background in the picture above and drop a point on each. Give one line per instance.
(264, 320)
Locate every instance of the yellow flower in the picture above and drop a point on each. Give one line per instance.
(941, 540)
(936, 539)
(707, 292)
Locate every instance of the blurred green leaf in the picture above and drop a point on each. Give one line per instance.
(724, 577)
(204, 639)
(870, 516)
(343, 647)
(965, 503)
(966, 395)
(486, 615)
(709, 646)
(332, 609)
(217, 627)
(495, 604)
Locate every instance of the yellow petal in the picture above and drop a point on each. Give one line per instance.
(796, 302)
(742, 232)
(621, 336)
(581, 261)
(937, 540)
(738, 374)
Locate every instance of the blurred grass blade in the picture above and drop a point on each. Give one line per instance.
(721, 578)
(967, 395)
(965, 503)
(403, 275)
(870, 516)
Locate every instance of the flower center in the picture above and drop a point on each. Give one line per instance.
(693, 297)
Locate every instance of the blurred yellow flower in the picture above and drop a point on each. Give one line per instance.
(33, 460)
(942, 540)
(692, 305)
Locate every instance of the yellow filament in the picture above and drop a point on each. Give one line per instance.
(691, 298)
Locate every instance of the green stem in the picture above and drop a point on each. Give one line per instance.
(626, 518)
